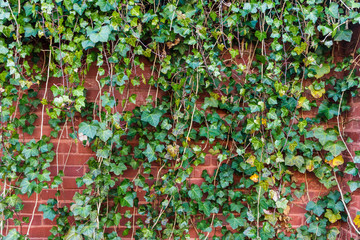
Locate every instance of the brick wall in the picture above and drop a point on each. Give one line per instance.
(72, 157)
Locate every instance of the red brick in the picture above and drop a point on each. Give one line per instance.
(84, 149)
(36, 221)
(64, 146)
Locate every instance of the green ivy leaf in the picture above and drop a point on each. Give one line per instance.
(150, 153)
(81, 211)
(325, 136)
(318, 228)
(73, 235)
(100, 35)
(12, 235)
(152, 118)
(27, 186)
(333, 10)
(104, 135)
(88, 129)
(343, 35)
(321, 70)
(351, 169)
(128, 199)
(291, 160)
(30, 152)
(318, 209)
(195, 193)
(354, 185)
(335, 148)
(117, 218)
(235, 222)
(48, 210)
(333, 234)
(357, 157)
(210, 102)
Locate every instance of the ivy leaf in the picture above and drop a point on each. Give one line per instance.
(328, 110)
(332, 234)
(104, 135)
(324, 136)
(316, 93)
(101, 35)
(316, 208)
(250, 232)
(333, 10)
(235, 222)
(321, 70)
(26, 186)
(343, 35)
(152, 118)
(336, 161)
(331, 216)
(291, 160)
(81, 211)
(351, 169)
(210, 102)
(48, 210)
(73, 235)
(195, 193)
(118, 169)
(150, 153)
(357, 157)
(357, 220)
(88, 129)
(335, 148)
(354, 185)
(12, 235)
(318, 228)
(117, 218)
(89, 229)
(128, 200)
(172, 150)
(30, 152)
(207, 208)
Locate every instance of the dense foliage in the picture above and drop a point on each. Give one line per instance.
(245, 81)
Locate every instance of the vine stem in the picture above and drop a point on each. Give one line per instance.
(46, 87)
(41, 134)
(346, 208)
(338, 124)
(33, 214)
(17, 25)
(258, 217)
(352, 157)
(161, 213)
(2, 214)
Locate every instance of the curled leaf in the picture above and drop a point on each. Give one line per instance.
(254, 178)
(316, 93)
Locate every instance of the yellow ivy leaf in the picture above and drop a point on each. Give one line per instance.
(251, 160)
(173, 150)
(337, 161)
(357, 221)
(254, 178)
(287, 210)
(310, 165)
(316, 93)
(301, 102)
(331, 216)
(263, 121)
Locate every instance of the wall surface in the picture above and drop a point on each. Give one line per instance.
(72, 157)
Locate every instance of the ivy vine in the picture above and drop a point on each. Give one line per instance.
(253, 85)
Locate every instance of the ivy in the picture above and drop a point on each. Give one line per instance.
(255, 86)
